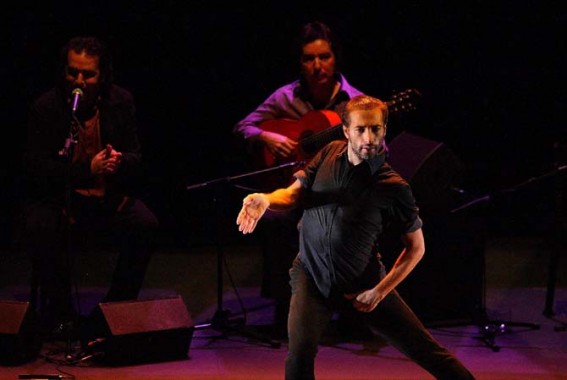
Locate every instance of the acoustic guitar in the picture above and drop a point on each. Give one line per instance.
(316, 129)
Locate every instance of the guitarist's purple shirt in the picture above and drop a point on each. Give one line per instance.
(346, 209)
(290, 102)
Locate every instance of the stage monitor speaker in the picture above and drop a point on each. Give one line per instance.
(140, 331)
(20, 339)
(446, 284)
(431, 168)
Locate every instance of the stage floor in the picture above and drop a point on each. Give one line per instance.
(516, 274)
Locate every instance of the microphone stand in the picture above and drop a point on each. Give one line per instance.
(67, 153)
(220, 320)
(490, 329)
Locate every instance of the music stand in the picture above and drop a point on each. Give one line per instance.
(492, 328)
(220, 320)
(559, 232)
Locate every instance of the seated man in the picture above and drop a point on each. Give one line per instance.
(82, 161)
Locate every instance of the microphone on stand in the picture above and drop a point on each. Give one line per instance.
(77, 94)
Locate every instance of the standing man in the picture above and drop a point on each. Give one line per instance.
(321, 87)
(82, 162)
(350, 196)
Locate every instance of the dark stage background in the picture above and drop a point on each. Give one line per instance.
(489, 74)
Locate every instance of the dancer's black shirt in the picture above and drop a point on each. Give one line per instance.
(347, 208)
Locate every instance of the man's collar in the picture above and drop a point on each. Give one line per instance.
(374, 163)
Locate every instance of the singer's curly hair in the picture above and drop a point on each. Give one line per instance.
(95, 47)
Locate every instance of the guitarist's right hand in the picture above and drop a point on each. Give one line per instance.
(278, 145)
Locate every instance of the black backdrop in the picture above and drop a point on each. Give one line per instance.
(489, 72)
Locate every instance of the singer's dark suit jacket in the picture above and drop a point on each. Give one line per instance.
(49, 126)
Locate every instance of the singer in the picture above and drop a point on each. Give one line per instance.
(93, 189)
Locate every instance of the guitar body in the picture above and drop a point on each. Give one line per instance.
(299, 130)
(310, 125)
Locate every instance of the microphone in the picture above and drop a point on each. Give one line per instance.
(77, 94)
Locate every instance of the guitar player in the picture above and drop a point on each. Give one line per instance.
(320, 87)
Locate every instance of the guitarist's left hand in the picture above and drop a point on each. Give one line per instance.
(278, 145)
